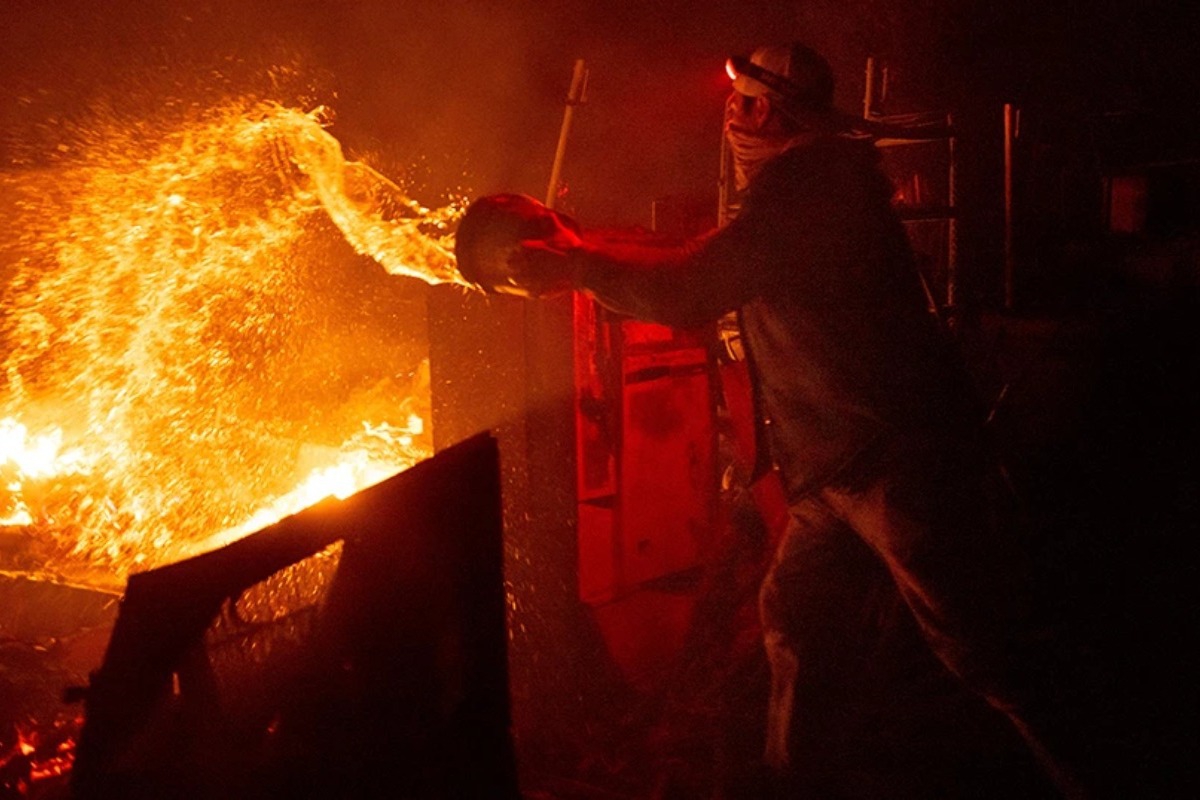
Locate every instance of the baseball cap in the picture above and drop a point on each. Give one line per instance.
(792, 71)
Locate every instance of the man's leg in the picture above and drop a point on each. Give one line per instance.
(970, 587)
(811, 604)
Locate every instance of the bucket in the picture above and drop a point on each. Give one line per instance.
(492, 228)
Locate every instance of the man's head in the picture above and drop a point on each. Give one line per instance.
(782, 95)
(787, 81)
(792, 73)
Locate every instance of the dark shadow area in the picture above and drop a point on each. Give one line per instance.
(279, 666)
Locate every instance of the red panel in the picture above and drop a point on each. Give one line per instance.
(667, 490)
(597, 554)
(595, 402)
(597, 434)
(1127, 203)
(645, 452)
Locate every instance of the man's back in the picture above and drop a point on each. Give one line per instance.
(847, 353)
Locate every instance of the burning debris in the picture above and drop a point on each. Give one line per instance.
(40, 759)
(51, 636)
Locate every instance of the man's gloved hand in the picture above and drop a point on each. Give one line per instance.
(513, 244)
(542, 266)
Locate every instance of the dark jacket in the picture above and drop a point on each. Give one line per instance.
(847, 360)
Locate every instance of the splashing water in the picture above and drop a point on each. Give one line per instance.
(413, 242)
(166, 378)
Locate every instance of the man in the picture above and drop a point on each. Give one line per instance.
(869, 415)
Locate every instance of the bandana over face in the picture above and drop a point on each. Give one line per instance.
(751, 146)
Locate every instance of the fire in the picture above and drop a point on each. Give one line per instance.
(341, 479)
(166, 385)
(38, 756)
(24, 457)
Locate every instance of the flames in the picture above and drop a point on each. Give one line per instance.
(24, 457)
(168, 383)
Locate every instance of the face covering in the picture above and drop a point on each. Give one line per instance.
(750, 147)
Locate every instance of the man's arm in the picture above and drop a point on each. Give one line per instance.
(682, 285)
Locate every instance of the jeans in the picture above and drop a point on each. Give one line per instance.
(932, 521)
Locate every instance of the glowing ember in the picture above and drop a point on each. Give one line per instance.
(165, 375)
(39, 759)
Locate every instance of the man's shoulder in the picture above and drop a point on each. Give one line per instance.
(819, 170)
(830, 153)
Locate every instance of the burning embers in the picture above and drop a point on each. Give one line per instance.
(189, 342)
(38, 758)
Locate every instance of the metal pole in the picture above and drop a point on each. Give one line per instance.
(574, 98)
(952, 218)
(1010, 120)
(724, 190)
(869, 91)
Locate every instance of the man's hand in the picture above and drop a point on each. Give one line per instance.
(541, 265)
(513, 244)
